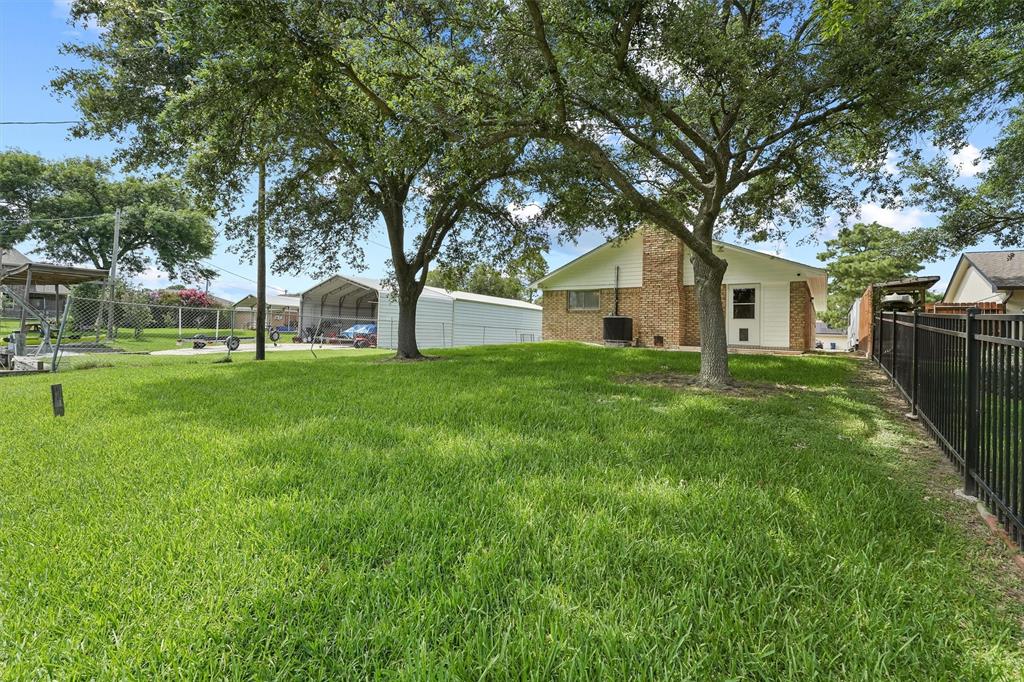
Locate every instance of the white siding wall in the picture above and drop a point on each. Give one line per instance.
(751, 267)
(775, 314)
(597, 270)
(1015, 303)
(971, 288)
(486, 323)
(433, 322)
(774, 276)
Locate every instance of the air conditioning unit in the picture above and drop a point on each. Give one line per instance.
(618, 330)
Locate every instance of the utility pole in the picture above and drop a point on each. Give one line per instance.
(261, 264)
(114, 254)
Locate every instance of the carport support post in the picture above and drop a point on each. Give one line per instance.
(971, 384)
(28, 286)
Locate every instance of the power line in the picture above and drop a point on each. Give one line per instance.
(235, 274)
(38, 123)
(53, 220)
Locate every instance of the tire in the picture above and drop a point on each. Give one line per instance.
(275, 335)
(233, 342)
(197, 344)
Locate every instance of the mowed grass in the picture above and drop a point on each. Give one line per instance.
(506, 512)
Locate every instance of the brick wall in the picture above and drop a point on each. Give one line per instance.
(560, 323)
(801, 317)
(661, 296)
(691, 322)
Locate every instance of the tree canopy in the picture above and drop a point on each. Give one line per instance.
(707, 115)
(866, 253)
(355, 118)
(985, 201)
(67, 208)
(513, 281)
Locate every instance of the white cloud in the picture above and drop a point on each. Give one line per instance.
(968, 161)
(778, 249)
(903, 220)
(891, 159)
(151, 278)
(527, 212)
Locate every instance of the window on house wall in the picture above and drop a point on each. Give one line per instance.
(743, 303)
(584, 300)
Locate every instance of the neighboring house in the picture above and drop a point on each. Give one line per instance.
(770, 302)
(443, 318)
(44, 297)
(831, 339)
(992, 277)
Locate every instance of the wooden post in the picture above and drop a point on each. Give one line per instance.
(57, 397)
(973, 416)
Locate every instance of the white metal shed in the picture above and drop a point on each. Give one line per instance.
(443, 318)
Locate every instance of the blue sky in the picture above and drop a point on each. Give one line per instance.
(31, 32)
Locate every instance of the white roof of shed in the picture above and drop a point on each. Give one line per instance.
(272, 300)
(336, 282)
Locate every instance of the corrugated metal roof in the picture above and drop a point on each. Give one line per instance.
(278, 301)
(1004, 269)
(497, 300)
(428, 292)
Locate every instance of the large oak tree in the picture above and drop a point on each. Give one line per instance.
(705, 115)
(352, 104)
(67, 208)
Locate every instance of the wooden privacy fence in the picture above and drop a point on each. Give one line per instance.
(964, 378)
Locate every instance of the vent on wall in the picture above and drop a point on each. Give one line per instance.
(744, 334)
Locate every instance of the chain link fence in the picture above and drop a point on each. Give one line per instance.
(90, 327)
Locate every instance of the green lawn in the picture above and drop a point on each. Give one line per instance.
(508, 512)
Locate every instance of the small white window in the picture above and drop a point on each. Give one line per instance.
(584, 300)
(743, 303)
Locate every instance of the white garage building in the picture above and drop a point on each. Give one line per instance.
(443, 318)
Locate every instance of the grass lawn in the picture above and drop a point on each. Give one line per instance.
(507, 512)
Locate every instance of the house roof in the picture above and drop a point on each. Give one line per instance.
(715, 244)
(1003, 269)
(47, 273)
(11, 257)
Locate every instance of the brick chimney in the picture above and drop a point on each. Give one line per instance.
(661, 296)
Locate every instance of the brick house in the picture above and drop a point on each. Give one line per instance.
(769, 302)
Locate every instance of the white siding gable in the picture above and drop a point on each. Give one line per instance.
(970, 287)
(596, 269)
(746, 267)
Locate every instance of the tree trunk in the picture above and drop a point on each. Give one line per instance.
(714, 353)
(408, 297)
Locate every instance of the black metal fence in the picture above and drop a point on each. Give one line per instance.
(964, 378)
